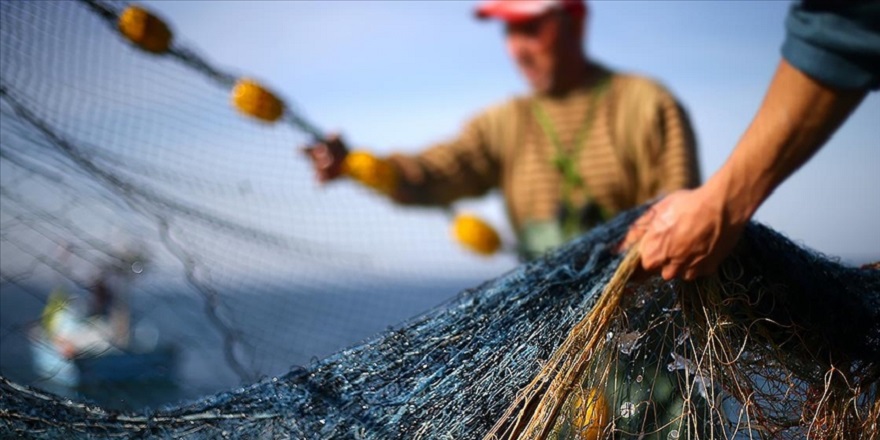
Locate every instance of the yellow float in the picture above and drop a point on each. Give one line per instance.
(144, 29)
(590, 414)
(371, 171)
(475, 234)
(252, 99)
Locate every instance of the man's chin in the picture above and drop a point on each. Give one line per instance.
(540, 86)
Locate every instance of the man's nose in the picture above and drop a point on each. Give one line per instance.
(519, 50)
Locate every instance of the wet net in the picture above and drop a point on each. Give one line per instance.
(781, 343)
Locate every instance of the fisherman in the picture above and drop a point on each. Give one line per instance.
(830, 60)
(108, 308)
(585, 144)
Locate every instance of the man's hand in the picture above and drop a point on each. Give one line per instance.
(687, 234)
(327, 157)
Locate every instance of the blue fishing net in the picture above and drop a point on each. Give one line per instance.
(789, 314)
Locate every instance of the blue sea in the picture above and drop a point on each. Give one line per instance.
(271, 332)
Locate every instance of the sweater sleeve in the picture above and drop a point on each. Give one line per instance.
(466, 166)
(677, 155)
(836, 43)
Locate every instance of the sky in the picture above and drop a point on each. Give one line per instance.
(400, 75)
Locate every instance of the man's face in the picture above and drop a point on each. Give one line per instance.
(537, 47)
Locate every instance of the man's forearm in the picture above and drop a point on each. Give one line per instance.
(797, 117)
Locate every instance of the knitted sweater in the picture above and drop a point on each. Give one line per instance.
(639, 145)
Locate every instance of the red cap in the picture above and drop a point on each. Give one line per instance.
(522, 10)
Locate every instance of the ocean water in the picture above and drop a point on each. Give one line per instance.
(269, 333)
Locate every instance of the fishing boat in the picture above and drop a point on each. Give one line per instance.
(111, 366)
(73, 352)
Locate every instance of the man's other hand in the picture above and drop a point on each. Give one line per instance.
(327, 157)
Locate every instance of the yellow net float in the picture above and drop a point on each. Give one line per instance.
(590, 414)
(378, 174)
(144, 29)
(252, 99)
(475, 234)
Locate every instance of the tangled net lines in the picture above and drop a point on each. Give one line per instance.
(781, 343)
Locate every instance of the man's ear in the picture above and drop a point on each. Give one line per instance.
(572, 25)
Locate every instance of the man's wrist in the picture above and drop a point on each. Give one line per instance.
(738, 196)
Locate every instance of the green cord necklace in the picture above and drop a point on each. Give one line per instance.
(565, 161)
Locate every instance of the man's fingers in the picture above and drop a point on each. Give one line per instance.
(314, 151)
(671, 271)
(637, 229)
(632, 236)
(652, 249)
(321, 156)
(652, 261)
(321, 160)
(326, 156)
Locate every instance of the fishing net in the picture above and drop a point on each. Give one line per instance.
(161, 175)
(781, 343)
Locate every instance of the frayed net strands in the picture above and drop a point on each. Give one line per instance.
(781, 344)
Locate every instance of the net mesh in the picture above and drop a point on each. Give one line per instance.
(105, 147)
(113, 159)
(740, 355)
